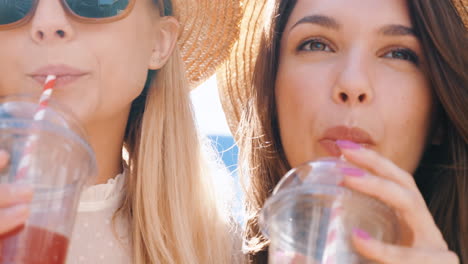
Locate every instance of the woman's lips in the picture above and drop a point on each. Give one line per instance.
(62, 80)
(65, 74)
(331, 147)
(356, 135)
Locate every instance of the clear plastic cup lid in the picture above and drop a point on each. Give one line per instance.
(21, 112)
(26, 107)
(323, 171)
(321, 180)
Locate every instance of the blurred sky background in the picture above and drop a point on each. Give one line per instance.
(211, 121)
(208, 110)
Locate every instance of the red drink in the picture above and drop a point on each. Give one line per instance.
(33, 245)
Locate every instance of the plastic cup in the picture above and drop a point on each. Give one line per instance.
(60, 164)
(309, 218)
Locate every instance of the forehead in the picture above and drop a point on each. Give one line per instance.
(362, 13)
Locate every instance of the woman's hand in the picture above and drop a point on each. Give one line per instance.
(14, 202)
(422, 241)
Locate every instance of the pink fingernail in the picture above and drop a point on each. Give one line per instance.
(346, 144)
(353, 172)
(361, 234)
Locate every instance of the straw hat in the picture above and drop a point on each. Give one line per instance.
(210, 28)
(462, 8)
(235, 75)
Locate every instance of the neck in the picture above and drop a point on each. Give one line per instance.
(106, 137)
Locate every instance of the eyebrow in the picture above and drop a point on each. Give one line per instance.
(320, 20)
(331, 23)
(397, 30)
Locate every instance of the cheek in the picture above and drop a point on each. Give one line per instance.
(122, 69)
(124, 75)
(299, 100)
(407, 107)
(12, 51)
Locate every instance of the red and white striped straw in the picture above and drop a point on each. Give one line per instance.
(45, 97)
(39, 115)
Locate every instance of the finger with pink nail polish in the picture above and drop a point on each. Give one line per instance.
(353, 172)
(361, 234)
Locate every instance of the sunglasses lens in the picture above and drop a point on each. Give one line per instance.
(97, 8)
(12, 11)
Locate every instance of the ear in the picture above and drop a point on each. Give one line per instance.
(167, 34)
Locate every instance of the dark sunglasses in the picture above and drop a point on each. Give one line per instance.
(14, 13)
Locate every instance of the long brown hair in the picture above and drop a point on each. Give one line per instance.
(442, 175)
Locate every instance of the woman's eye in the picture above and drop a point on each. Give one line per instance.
(314, 45)
(403, 54)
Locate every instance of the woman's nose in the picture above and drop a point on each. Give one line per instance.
(353, 86)
(50, 23)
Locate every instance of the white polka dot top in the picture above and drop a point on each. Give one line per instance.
(96, 237)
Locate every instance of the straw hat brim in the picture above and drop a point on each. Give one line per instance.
(235, 75)
(209, 30)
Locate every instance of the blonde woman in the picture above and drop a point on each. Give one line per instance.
(125, 69)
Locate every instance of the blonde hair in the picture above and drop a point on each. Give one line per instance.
(170, 199)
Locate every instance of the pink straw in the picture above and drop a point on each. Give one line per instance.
(25, 162)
